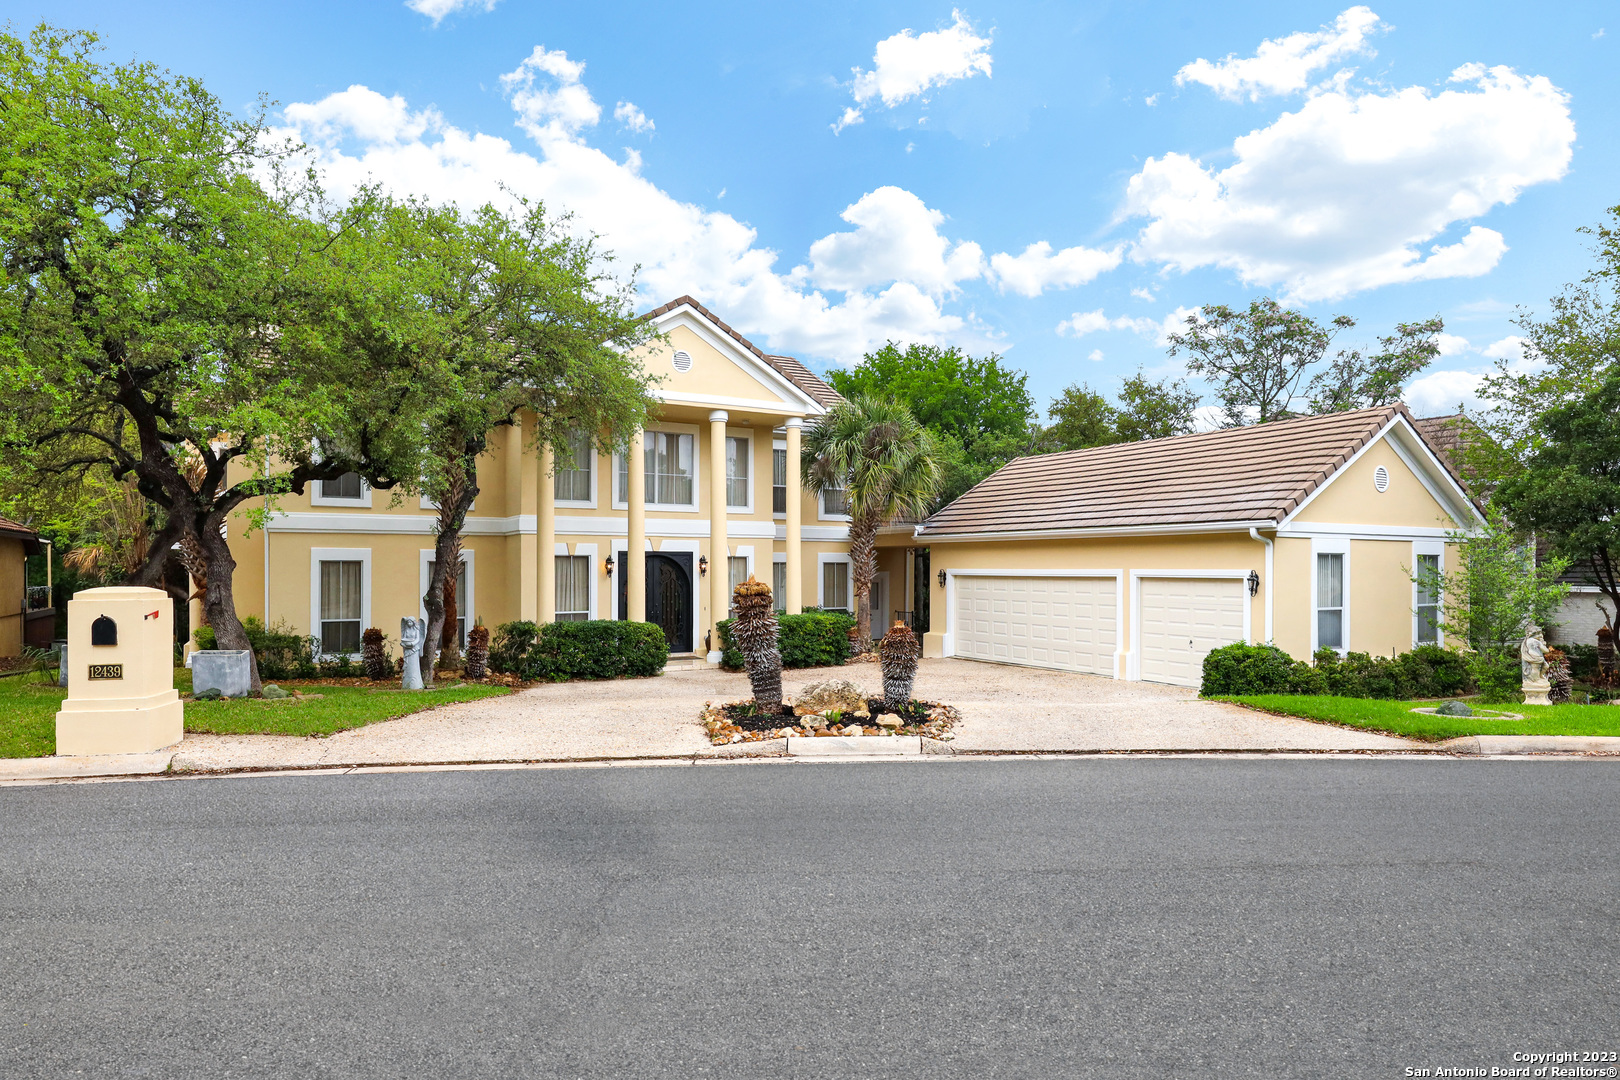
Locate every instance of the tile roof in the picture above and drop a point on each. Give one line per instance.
(785, 366)
(1251, 474)
(15, 528)
(1448, 437)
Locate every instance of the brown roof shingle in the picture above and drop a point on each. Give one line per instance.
(785, 366)
(1251, 474)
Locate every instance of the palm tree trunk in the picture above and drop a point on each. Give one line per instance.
(863, 568)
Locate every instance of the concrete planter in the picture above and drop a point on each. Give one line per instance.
(230, 671)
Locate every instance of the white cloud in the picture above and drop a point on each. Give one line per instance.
(1039, 268)
(852, 115)
(907, 65)
(894, 269)
(1340, 196)
(1096, 356)
(1082, 323)
(1144, 294)
(1509, 348)
(1452, 344)
(438, 9)
(632, 117)
(1151, 100)
(1284, 65)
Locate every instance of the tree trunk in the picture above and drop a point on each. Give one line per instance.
(219, 606)
(863, 568)
(450, 642)
(447, 547)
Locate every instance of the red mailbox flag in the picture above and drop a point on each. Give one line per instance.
(154, 615)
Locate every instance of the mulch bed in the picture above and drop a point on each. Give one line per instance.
(742, 721)
(445, 678)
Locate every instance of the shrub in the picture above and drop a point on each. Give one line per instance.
(814, 639)
(1583, 661)
(279, 651)
(1499, 678)
(593, 649)
(1427, 671)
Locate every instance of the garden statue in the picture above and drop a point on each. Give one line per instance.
(412, 632)
(755, 632)
(1533, 667)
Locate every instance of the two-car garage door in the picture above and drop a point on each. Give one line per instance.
(1068, 623)
(1071, 623)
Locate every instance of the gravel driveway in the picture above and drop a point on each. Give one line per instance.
(1003, 708)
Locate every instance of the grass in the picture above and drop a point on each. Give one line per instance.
(28, 711)
(1396, 717)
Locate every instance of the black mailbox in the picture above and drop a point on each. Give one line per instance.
(103, 632)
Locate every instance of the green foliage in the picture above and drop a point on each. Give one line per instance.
(1426, 671)
(1154, 410)
(945, 389)
(1398, 718)
(592, 649)
(1081, 417)
(813, 639)
(1499, 676)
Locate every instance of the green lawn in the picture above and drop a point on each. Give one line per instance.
(28, 711)
(1396, 717)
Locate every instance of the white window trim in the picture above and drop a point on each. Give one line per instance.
(697, 472)
(740, 551)
(596, 480)
(1438, 548)
(320, 555)
(948, 635)
(430, 504)
(779, 558)
(822, 515)
(777, 444)
(589, 551)
(317, 499)
(466, 606)
(822, 559)
(1330, 545)
(753, 468)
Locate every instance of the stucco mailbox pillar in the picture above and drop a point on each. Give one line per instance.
(121, 696)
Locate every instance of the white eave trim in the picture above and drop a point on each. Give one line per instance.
(761, 370)
(1083, 534)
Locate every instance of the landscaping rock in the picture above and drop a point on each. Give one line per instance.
(210, 694)
(853, 729)
(889, 720)
(273, 692)
(1454, 708)
(831, 694)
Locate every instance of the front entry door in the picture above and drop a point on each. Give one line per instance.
(669, 596)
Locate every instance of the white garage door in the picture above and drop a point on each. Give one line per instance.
(1182, 620)
(1067, 623)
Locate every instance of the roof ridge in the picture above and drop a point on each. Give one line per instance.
(818, 390)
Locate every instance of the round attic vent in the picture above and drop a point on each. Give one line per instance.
(1381, 478)
(683, 360)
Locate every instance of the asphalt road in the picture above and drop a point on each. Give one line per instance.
(1108, 918)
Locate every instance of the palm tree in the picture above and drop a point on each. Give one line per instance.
(887, 463)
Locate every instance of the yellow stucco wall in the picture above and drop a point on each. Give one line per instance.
(12, 581)
(1353, 499)
(713, 374)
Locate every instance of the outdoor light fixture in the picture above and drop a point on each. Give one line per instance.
(703, 565)
(1254, 582)
(607, 567)
(942, 579)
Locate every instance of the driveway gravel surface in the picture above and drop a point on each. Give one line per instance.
(1003, 708)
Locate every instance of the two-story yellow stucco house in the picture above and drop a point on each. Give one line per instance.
(708, 494)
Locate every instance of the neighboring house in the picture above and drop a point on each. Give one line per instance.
(26, 615)
(721, 500)
(1135, 560)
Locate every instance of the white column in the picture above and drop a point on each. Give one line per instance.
(719, 549)
(795, 513)
(545, 555)
(635, 559)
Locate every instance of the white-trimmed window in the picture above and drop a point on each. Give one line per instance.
(347, 490)
(779, 480)
(834, 503)
(1426, 561)
(739, 489)
(573, 588)
(736, 574)
(1330, 600)
(779, 583)
(670, 464)
(575, 471)
(339, 598)
(833, 590)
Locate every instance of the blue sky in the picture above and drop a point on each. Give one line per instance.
(1055, 182)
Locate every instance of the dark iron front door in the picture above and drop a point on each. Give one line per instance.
(669, 597)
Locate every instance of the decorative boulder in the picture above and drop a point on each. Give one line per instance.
(273, 692)
(1454, 708)
(230, 671)
(832, 694)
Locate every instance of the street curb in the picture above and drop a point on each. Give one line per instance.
(88, 765)
(1498, 745)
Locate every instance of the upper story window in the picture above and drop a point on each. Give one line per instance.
(346, 486)
(779, 480)
(671, 470)
(1330, 600)
(576, 461)
(835, 502)
(738, 495)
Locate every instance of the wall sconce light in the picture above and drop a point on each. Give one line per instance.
(1254, 582)
(703, 565)
(607, 567)
(942, 579)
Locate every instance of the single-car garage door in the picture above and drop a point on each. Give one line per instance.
(1055, 622)
(1182, 620)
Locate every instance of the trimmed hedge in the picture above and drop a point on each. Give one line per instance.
(1428, 671)
(814, 639)
(592, 649)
